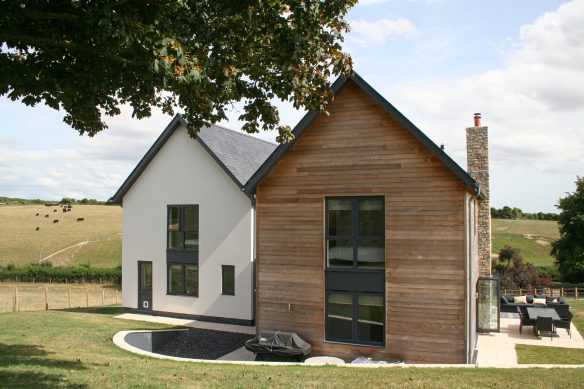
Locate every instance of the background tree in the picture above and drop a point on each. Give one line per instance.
(569, 249)
(516, 274)
(92, 56)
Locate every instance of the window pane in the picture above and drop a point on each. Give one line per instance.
(145, 276)
(175, 240)
(339, 253)
(192, 240)
(191, 219)
(228, 279)
(173, 218)
(339, 217)
(371, 217)
(370, 321)
(174, 279)
(340, 316)
(192, 280)
(371, 254)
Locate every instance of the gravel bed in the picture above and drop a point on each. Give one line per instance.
(200, 343)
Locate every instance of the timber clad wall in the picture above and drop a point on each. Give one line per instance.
(361, 150)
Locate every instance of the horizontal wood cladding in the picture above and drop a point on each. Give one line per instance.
(359, 150)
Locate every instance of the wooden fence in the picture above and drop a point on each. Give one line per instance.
(57, 296)
(574, 292)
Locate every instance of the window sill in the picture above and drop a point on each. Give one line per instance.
(182, 295)
(355, 344)
(227, 294)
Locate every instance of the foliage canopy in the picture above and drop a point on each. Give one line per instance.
(569, 249)
(516, 273)
(92, 56)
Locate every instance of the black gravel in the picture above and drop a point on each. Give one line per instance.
(199, 343)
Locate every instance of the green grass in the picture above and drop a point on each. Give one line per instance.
(73, 349)
(527, 354)
(106, 254)
(20, 243)
(532, 237)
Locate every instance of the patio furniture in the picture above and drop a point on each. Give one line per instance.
(565, 322)
(507, 303)
(544, 325)
(524, 319)
(278, 346)
(561, 309)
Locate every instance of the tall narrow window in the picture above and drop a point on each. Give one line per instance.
(228, 280)
(182, 254)
(355, 270)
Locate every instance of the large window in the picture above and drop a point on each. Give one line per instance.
(183, 279)
(355, 317)
(183, 227)
(355, 236)
(355, 270)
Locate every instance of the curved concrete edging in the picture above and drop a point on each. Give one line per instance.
(119, 340)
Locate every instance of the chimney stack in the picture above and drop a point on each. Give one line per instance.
(477, 149)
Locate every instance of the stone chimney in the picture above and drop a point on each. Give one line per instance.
(477, 150)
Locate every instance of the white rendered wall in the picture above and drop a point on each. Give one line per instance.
(183, 172)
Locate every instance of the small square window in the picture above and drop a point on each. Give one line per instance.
(228, 280)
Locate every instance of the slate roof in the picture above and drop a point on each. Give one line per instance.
(240, 155)
(310, 117)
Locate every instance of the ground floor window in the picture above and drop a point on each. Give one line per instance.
(183, 279)
(228, 280)
(355, 317)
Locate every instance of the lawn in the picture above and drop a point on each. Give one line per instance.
(556, 355)
(20, 243)
(73, 349)
(532, 237)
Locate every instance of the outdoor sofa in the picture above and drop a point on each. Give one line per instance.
(508, 304)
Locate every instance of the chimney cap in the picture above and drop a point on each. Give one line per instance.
(477, 119)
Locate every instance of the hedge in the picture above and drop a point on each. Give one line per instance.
(46, 272)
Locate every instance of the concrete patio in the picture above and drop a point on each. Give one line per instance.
(498, 349)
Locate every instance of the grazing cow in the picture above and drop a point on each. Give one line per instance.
(64, 209)
(47, 215)
(37, 214)
(69, 206)
(54, 210)
(80, 219)
(38, 228)
(55, 221)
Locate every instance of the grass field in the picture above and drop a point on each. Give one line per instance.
(73, 349)
(31, 296)
(20, 243)
(556, 355)
(532, 237)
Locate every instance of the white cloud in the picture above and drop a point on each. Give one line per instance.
(367, 33)
(534, 106)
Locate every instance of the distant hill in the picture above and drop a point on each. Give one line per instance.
(19, 201)
(532, 237)
(95, 240)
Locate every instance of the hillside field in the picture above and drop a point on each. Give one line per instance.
(96, 240)
(532, 237)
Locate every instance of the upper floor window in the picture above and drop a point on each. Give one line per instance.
(355, 232)
(183, 227)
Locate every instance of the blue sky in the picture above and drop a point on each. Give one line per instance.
(519, 62)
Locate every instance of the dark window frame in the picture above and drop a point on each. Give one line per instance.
(181, 227)
(355, 319)
(182, 292)
(223, 291)
(354, 237)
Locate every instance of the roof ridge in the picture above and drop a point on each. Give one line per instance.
(244, 134)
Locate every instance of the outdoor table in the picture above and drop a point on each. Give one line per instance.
(534, 313)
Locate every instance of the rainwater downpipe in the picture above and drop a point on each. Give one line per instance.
(468, 274)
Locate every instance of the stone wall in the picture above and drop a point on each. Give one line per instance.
(477, 149)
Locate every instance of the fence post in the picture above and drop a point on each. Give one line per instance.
(16, 308)
(576, 293)
(102, 297)
(534, 291)
(562, 292)
(520, 291)
(116, 296)
(505, 291)
(46, 298)
(86, 299)
(69, 297)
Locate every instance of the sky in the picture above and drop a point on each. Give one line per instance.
(518, 62)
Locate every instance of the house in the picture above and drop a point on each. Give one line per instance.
(188, 229)
(367, 236)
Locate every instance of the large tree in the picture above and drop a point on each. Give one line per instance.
(91, 56)
(569, 249)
